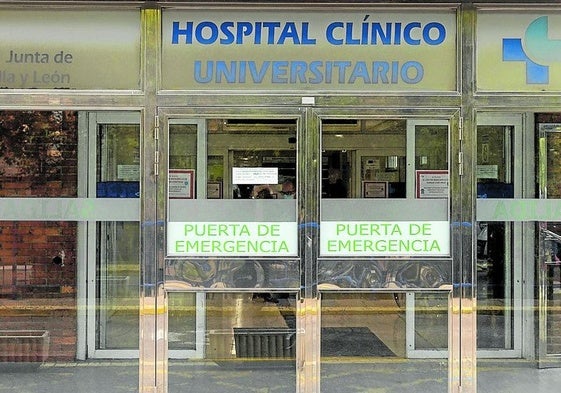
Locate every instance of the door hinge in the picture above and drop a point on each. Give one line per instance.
(156, 145)
(461, 163)
(461, 129)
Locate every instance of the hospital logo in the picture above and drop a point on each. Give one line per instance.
(539, 51)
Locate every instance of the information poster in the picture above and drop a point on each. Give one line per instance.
(432, 184)
(255, 175)
(181, 184)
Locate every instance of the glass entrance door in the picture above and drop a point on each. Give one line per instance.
(231, 186)
(549, 267)
(245, 196)
(384, 249)
(113, 173)
(499, 243)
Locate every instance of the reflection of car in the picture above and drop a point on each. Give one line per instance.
(552, 246)
(213, 273)
(482, 247)
(382, 274)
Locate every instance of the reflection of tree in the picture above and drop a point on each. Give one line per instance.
(35, 145)
(553, 167)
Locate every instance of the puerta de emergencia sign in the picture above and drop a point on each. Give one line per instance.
(232, 239)
(371, 50)
(373, 238)
(70, 49)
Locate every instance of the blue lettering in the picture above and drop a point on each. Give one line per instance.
(229, 73)
(441, 36)
(257, 38)
(279, 72)
(243, 29)
(417, 67)
(289, 32)
(395, 72)
(378, 31)
(407, 33)
(397, 34)
(349, 40)
(306, 40)
(226, 29)
(200, 33)
(271, 28)
(210, 71)
(329, 33)
(298, 71)
(256, 75)
(360, 71)
(328, 72)
(342, 66)
(316, 72)
(187, 32)
(281, 33)
(380, 69)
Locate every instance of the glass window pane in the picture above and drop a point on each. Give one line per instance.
(48, 275)
(258, 156)
(249, 342)
(182, 321)
(431, 147)
(363, 158)
(366, 342)
(38, 153)
(495, 267)
(118, 280)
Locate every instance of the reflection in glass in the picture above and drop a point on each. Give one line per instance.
(363, 158)
(495, 317)
(220, 273)
(431, 147)
(117, 285)
(249, 343)
(182, 323)
(250, 157)
(365, 339)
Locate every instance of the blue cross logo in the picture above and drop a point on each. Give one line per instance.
(539, 50)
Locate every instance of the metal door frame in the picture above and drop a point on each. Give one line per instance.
(93, 120)
(519, 252)
(545, 360)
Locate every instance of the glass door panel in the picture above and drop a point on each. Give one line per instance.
(364, 343)
(498, 276)
(549, 272)
(494, 263)
(388, 235)
(115, 139)
(232, 268)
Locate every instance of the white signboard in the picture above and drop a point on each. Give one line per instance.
(487, 171)
(255, 175)
(70, 49)
(232, 239)
(432, 184)
(372, 238)
(518, 50)
(180, 183)
(371, 49)
(128, 172)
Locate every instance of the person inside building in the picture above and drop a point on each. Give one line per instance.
(288, 190)
(262, 191)
(336, 187)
